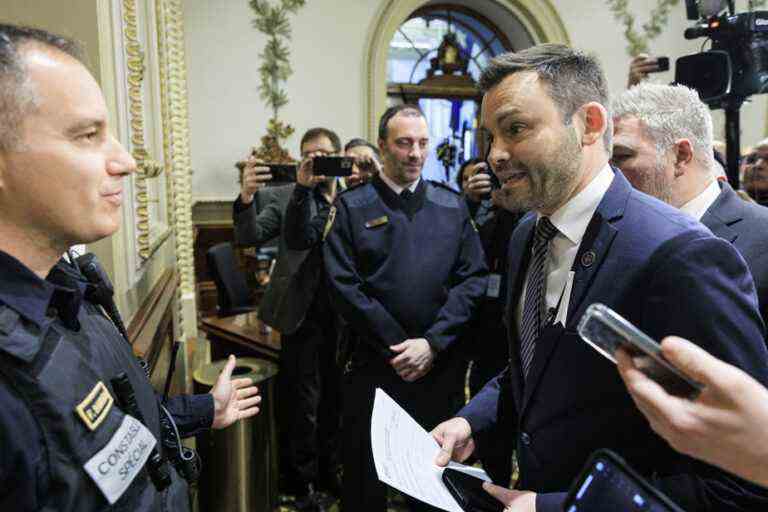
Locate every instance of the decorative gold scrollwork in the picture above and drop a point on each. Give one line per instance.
(148, 168)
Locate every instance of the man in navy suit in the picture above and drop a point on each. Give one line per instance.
(592, 238)
(663, 144)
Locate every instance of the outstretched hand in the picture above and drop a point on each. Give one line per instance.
(233, 400)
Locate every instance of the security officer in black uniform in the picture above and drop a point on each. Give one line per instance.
(406, 269)
(80, 425)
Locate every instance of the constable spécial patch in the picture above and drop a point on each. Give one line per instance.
(94, 408)
(377, 222)
(115, 466)
(329, 222)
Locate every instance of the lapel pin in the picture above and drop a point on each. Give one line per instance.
(588, 259)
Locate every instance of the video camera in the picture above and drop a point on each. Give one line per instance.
(736, 66)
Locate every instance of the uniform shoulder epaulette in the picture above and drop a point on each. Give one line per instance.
(443, 195)
(444, 186)
(359, 195)
(353, 187)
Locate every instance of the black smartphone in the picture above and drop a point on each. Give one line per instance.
(282, 174)
(663, 63)
(332, 166)
(608, 484)
(495, 184)
(606, 331)
(468, 492)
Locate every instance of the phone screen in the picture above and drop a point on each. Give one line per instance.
(332, 166)
(606, 331)
(608, 485)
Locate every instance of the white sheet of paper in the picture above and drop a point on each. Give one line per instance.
(404, 454)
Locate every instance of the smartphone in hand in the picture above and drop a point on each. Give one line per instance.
(332, 166)
(606, 331)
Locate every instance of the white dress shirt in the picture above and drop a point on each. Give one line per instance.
(571, 221)
(699, 205)
(398, 188)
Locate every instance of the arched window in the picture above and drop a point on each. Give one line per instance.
(435, 59)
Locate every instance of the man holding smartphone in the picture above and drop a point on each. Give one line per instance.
(296, 304)
(592, 238)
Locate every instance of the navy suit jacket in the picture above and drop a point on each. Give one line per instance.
(745, 225)
(667, 274)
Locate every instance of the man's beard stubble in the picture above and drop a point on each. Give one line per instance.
(656, 183)
(550, 180)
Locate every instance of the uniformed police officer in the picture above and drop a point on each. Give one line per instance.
(406, 268)
(80, 426)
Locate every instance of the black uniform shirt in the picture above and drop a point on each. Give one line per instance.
(403, 269)
(57, 299)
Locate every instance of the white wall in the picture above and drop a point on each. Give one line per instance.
(328, 84)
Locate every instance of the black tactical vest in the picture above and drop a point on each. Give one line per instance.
(58, 372)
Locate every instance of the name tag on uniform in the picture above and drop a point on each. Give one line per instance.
(115, 466)
(494, 286)
(377, 222)
(94, 408)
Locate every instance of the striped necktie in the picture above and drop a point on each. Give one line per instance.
(534, 307)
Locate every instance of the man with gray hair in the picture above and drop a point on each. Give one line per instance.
(592, 238)
(663, 145)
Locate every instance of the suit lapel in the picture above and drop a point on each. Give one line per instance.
(723, 213)
(592, 251)
(519, 255)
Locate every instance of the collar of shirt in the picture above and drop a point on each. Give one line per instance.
(32, 297)
(398, 188)
(699, 205)
(572, 219)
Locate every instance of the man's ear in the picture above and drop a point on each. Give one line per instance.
(682, 155)
(595, 119)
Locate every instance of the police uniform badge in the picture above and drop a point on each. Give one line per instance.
(329, 222)
(377, 222)
(94, 408)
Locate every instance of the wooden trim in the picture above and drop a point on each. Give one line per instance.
(144, 331)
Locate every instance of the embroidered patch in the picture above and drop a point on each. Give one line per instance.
(115, 466)
(95, 407)
(329, 222)
(377, 222)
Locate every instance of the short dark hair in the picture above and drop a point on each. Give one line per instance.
(408, 109)
(314, 133)
(574, 78)
(464, 166)
(16, 96)
(358, 142)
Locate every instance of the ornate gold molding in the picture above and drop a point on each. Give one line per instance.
(147, 167)
(170, 19)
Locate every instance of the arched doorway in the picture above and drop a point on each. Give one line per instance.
(435, 60)
(402, 70)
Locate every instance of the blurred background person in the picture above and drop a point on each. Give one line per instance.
(663, 145)
(296, 304)
(755, 173)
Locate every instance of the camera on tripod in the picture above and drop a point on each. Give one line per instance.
(736, 66)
